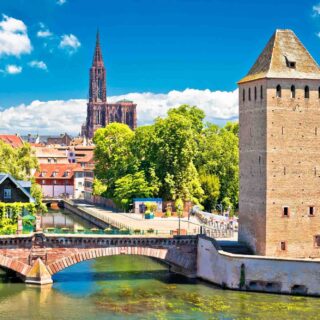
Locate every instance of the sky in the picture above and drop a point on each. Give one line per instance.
(159, 53)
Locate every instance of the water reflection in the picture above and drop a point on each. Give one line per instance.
(61, 218)
(132, 287)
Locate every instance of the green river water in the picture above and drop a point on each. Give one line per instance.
(132, 287)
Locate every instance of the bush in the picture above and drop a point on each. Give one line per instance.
(168, 213)
(150, 230)
(137, 231)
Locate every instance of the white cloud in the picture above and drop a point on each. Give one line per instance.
(70, 43)
(58, 116)
(38, 64)
(44, 33)
(14, 38)
(61, 2)
(316, 9)
(13, 69)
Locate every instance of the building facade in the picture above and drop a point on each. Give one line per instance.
(279, 116)
(12, 190)
(99, 112)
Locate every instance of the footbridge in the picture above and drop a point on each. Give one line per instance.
(35, 258)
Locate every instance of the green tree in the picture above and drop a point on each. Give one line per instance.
(175, 150)
(210, 184)
(113, 155)
(131, 186)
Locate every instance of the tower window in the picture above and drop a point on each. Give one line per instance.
(255, 93)
(286, 211)
(311, 211)
(283, 245)
(243, 95)
(261, 92)
(306, 92)
(317, 241)
(293, 91)
(249, 98)
(278, 93)
(319, 93)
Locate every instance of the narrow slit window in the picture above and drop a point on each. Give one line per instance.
(243, 95)
(261, 92)
(317, 241)
(278, 93)
(283, 245)
(255, 93)
(249, 94)
(293, 92)
(306, 92)
(311, 211)
(319, 93)
(285, 211)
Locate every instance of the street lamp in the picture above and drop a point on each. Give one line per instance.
(179, 217)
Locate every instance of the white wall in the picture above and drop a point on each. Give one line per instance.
(47, 190)
(261, 273)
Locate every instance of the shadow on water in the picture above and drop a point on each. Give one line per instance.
(160, 275)
(8, 276)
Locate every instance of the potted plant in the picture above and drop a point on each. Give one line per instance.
(137, 231)
(108, 230)
(150, 230)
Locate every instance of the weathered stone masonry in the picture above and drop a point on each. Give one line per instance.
(279, 107)
(38, 257)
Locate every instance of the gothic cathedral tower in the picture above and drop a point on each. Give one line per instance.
(96, 107)
(279, 117)
(99, 113)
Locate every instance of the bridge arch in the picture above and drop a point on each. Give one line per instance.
(178, 259)
(14, 265)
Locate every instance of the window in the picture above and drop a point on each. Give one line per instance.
(7, 193)
(317, 241)
(249, 94)
(283, 245)
(278, 93)
(293, 91)
(255, 93)
(261, 92)
(54, 173)
(319, 93)
(311, 211)
(286, 211)
(306, 92)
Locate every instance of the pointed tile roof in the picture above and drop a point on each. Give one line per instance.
(284, 57)
(97, 57)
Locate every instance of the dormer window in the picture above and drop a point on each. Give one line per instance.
(54, 173)
(290, 64)
(43, 173)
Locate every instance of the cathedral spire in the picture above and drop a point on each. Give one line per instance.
(97, 58)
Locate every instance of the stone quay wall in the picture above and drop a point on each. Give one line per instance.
(257, 273)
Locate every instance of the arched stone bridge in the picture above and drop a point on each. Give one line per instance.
(35, 258)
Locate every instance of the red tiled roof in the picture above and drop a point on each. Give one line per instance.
(12, 139)
(59, 168)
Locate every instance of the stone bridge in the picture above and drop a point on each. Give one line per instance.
(35, 258)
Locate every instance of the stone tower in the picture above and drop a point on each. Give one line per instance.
(99, 113)
(96, 107)
(279, 102)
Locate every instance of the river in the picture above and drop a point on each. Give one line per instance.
(135, 287)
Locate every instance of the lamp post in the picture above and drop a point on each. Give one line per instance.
(179, 217)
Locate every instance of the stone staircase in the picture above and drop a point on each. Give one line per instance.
(235, 247)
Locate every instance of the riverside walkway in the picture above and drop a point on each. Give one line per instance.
(136, 222)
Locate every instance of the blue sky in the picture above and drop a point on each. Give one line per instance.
(148, 46)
